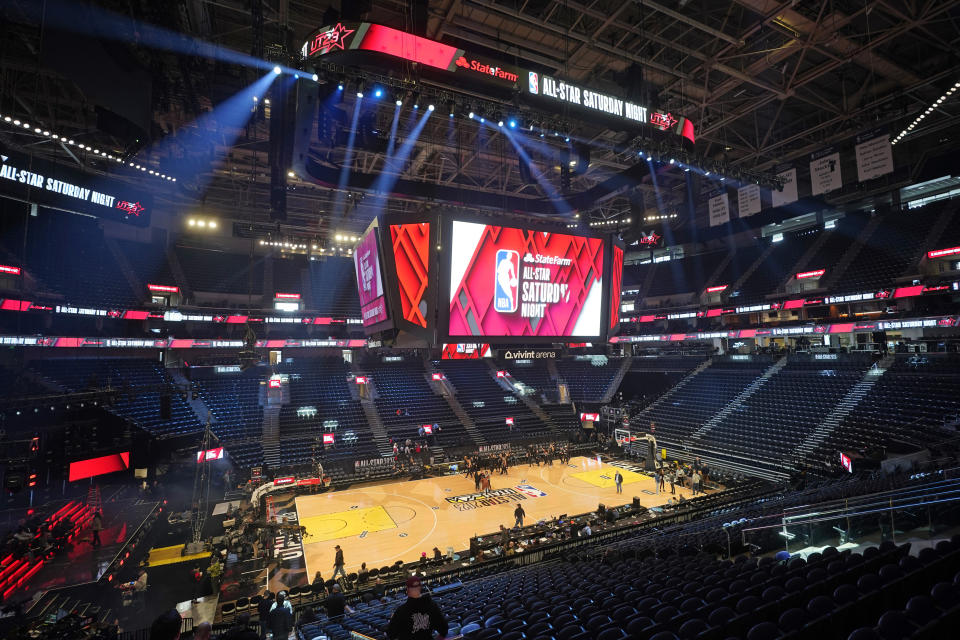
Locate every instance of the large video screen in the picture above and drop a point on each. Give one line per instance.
(411, 254)
(366, 260)
(508, 282)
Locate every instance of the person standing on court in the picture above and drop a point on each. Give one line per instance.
(338, 564)
(418, 617)
(662, 480)
(618, 479)
(519, 513)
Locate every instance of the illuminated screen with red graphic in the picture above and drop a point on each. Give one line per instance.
(98, 466)
(520, 283)
(616, 278)
(465, 351)
(366, 260)
(411, 254)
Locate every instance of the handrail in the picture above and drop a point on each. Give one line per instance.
(865, 509)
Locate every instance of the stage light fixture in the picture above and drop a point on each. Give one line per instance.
(430, 107)
(451, 108)
(398, 102)
(315, 78)
(277, 70)
(471, 115)
(513, 123)
(499, 123)
(566, 139)
(378, 92)
(416, 100)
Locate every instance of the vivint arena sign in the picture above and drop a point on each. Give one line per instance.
(365, 36)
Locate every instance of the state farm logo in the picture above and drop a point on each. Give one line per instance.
(329, 40)
(130, 208)
(662, 120)
(486, 69)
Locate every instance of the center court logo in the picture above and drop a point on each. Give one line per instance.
(506, 281)
(471, 501)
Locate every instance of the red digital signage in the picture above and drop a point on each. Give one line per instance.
(592, 417)
(411, 255)
(510, 282)
(163, 288)
(99, 466)
(510, 421)
(943, 253)
(717, 289)
(328, 438)
(13, 271)
(279, 482)
(846, 462)
(815, 273)
(210, 454)
(461, 351)
(616, 281)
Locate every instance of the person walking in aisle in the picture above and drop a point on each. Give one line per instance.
(96, 527)
(338, 564)
(618, 479)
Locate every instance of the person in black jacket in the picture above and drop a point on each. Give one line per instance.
(263, 608)
(281, 617)
(418, 617)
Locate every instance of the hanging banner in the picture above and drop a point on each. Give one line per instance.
(748, 200)
(789, 193)
(825, 171)
(874, 156)
(719, 209)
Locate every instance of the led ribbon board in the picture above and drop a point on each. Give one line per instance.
(344, 37)
(59, 187)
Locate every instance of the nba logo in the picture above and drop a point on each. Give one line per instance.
(533, 82)
(505, 281)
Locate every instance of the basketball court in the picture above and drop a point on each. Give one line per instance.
(380, 524)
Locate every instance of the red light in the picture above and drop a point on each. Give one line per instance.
(793, 304)
(816, 273)
(502, 374)
(14, 271)
(328, 438)
(274, 383)
(593, 417)
(717, 289)
(287, 296)
(436, 376)
(510, 421)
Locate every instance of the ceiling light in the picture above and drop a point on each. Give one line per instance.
(430, 107)
(315, 77)
(277, 70)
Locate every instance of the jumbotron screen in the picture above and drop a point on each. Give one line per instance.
(509, 282)
(366, 260)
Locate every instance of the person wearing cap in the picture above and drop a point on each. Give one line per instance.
(338, 564)
(418, 617)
